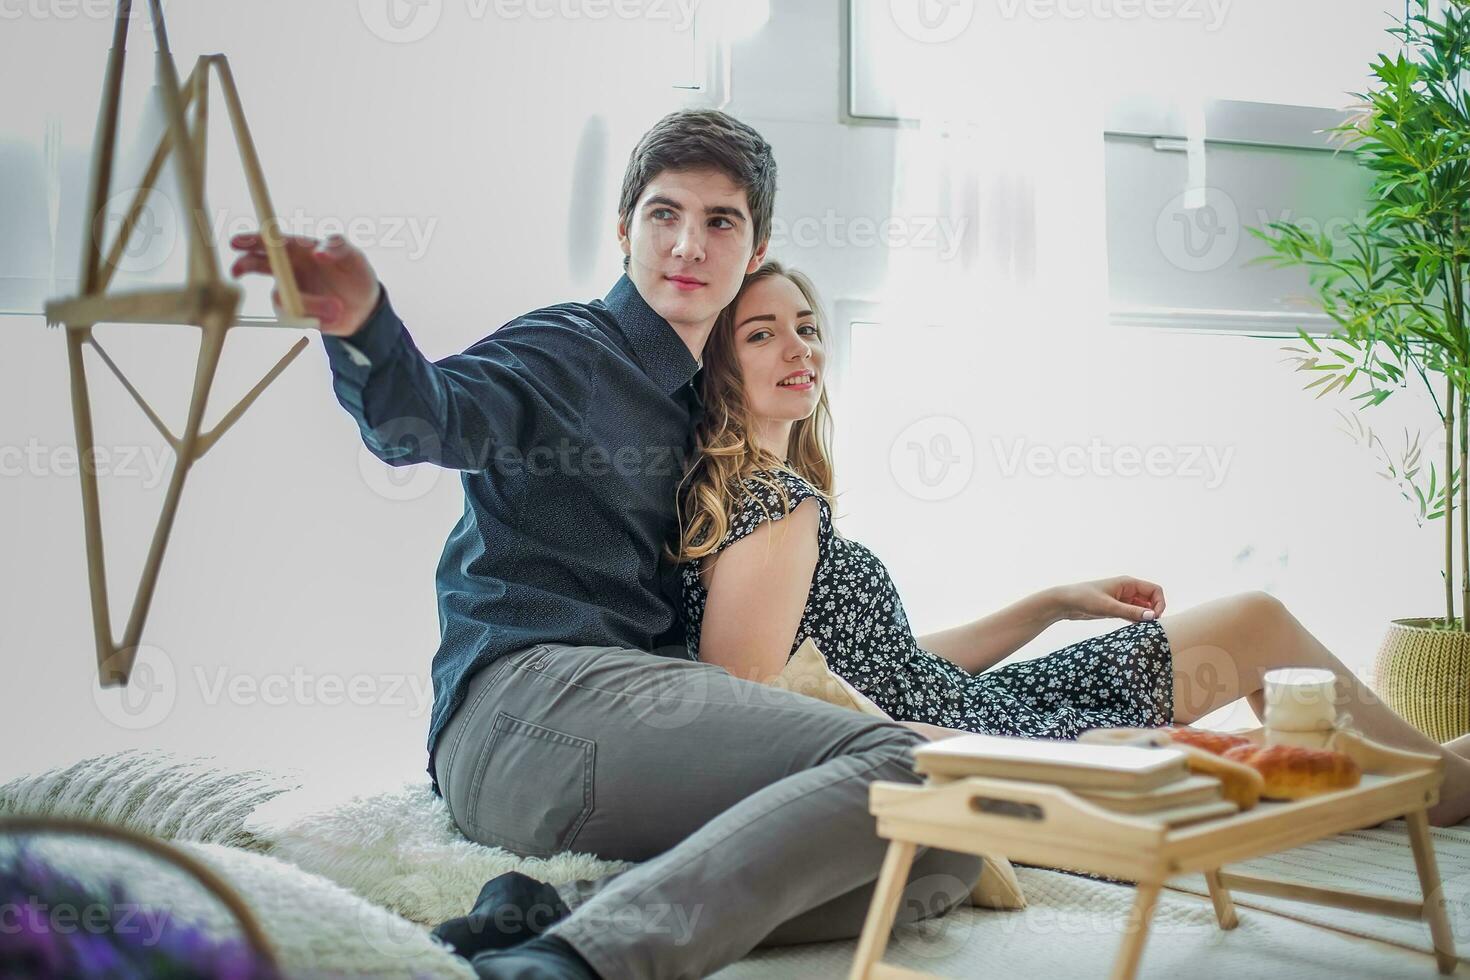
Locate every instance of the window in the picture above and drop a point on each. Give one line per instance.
(1257, 82)
(1170, 264)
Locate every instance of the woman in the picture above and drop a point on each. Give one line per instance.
(764, 569)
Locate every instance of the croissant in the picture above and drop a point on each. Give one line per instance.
(1239, 783)
(1216, 742)
(1292, 771)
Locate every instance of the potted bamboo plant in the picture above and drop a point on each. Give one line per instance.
(1395, 285)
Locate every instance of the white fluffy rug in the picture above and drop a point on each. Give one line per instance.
(398, 848)
(401, 849)
(153, 793)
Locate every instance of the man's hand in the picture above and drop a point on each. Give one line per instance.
(1125, 597)
(338, 286)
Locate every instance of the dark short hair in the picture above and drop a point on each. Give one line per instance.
(693, 139)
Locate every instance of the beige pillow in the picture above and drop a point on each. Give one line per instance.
(807, 673)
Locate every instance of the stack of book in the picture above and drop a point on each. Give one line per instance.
(1144, 782)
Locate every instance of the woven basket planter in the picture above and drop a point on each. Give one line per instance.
(1424, 675)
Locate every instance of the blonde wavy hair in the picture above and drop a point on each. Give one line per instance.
(725, 457)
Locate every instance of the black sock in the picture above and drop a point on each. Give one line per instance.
(511, 909)
(552, 952)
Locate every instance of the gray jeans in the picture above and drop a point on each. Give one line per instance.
(746, 805)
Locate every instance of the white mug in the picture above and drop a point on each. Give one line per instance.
(1307, 740)
(1300, 699)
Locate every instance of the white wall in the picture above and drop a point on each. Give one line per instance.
(300, 561)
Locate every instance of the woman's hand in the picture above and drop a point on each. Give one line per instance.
(1122, 597)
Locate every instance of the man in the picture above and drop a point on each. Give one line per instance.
(554, 727)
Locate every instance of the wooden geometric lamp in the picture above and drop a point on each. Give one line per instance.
(204, 301)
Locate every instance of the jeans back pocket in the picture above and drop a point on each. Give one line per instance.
(532, 789)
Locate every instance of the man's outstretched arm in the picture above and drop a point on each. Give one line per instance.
(456, 412)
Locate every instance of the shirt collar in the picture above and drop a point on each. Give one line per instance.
(660, 349)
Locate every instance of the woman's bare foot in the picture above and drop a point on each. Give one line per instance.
(1450, 810)
(1454, 793)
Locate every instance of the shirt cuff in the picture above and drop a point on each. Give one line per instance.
(372, 345)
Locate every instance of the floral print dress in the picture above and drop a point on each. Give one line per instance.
(853, 612)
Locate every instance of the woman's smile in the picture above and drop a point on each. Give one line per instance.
(799, 381)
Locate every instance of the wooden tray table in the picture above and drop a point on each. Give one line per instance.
(1043, 824)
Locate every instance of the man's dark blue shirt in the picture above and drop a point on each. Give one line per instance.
(571, 426)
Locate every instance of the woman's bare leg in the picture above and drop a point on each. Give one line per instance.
(1459, 746)
(1222, 650)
